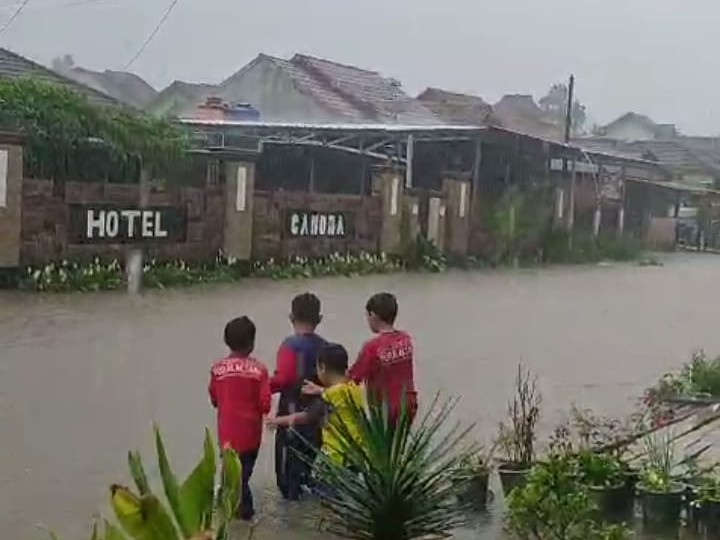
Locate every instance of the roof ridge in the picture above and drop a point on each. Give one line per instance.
(302, 56)
(301, 62)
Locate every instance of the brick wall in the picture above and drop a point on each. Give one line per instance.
(45, 220)
(271, 238)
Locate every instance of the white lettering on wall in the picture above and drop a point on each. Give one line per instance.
(96, 224)
(312, 224)
(125, 224)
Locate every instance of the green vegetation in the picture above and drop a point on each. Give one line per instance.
(553, 505)
(68, 138)
(193, 510)
(698, 378)
(398, 483)
(599, 469)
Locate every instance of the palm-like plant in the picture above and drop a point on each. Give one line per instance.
(398, 482)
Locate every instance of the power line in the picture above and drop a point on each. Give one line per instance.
(14, 16)
(144, 46)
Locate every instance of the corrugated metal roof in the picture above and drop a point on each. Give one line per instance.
(12, 65)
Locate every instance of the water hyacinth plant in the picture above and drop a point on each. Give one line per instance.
(397, 483)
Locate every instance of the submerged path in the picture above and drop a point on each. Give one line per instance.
(82, 377)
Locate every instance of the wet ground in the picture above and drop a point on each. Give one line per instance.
(82, 377)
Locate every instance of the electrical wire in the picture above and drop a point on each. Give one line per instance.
(14, 16)
(152, 35)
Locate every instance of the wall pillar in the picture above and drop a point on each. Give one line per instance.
(388, 184)
(239, 196)
(11, 177)
(458, 195)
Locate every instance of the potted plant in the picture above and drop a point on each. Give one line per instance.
(661, 496)
(517, 434)
(474, 471)
(707, 502)
(603, 475)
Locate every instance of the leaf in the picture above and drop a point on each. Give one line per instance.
(196, 494)
(170, 484)
(112, 532)
(138, 473)
(230, 488)
(143, 518)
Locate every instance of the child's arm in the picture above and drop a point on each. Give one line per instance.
(288, 420)
(365, 366)
(265, 395)
(285, 370)
(212, 390)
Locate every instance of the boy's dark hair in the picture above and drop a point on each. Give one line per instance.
(305, 308)
(240, 335)
(334, 358)
(384, 306)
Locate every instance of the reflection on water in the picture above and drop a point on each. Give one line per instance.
(82, 377)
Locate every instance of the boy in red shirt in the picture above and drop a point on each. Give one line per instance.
(240, 391)
(385, 363)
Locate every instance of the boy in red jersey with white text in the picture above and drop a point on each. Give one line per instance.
(240, 391)
(385, 363)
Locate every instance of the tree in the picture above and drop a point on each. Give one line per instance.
(554, 103)
(63, 63)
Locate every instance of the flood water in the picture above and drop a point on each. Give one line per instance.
(83, 377)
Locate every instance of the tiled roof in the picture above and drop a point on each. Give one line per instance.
(520, 113)
(126, 87)
(676, 154)
(368, 92)
(456, 108)
(13, 65)
(179, 97)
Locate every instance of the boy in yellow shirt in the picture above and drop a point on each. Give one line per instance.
(339, 396)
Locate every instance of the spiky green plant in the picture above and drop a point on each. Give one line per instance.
(398, 482)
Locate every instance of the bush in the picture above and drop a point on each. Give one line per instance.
(554, 506)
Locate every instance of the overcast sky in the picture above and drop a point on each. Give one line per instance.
(657, 57)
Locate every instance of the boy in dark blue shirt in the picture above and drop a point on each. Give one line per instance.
(296, 360)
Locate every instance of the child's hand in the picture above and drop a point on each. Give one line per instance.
(271, 423)
(309, 388)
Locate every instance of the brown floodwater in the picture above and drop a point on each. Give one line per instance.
(83, 377)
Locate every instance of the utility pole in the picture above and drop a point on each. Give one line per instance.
(568, 111)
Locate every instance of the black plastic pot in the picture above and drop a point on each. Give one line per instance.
(476, 495)
(709, 518)
(661, 509)
(512, 475)
(615, 503)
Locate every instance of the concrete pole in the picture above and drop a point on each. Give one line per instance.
(134, 261)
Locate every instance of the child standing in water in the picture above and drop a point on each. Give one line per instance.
(296, 360)
(385, 363)
(338, 397)
(240, 391)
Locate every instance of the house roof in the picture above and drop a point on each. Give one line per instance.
(349, 93)
(456, 108)
(126, 87)
(676, 154)
(12, 65)
(662, 131)
(520, 113)
(178, 97)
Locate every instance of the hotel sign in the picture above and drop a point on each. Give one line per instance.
(100, 224)
(310, 224)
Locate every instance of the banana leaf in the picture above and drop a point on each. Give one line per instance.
(197, 493)
(144, 517)
(191, 502)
